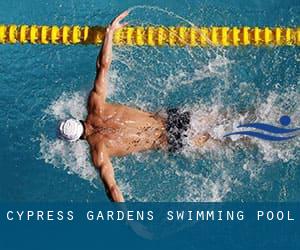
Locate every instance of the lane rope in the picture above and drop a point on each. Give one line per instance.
(152, 35)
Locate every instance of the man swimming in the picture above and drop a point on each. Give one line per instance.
(117, 130)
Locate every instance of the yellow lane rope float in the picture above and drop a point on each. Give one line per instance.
(152, 36)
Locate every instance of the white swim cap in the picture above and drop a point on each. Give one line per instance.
(70, 130)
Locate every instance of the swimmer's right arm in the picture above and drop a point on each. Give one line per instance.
(103, 164)
(105, 56)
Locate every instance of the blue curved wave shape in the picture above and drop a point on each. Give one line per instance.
(262, 136)
(269, 128)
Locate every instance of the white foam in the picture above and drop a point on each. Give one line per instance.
(72, 157)
(271, 110)
(214, 118)
(211, 188)
(216, 121)
(68, 105)
(174, 182)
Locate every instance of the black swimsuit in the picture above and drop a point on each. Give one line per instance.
(177, 124)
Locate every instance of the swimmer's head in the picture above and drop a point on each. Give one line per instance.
(70, 130)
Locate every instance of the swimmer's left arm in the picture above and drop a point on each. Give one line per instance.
(105, 56)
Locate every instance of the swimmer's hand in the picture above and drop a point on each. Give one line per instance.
(115, 24)
(105, 57)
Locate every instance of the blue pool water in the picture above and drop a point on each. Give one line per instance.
(42, 84)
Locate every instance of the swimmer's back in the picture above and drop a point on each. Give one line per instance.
(126, 130)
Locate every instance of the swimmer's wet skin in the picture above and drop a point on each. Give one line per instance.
(117, 130)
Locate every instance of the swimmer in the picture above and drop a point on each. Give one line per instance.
(114, 130)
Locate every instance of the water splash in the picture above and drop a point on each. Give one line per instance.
(192, 185)
(74, 158)
(215, 85)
